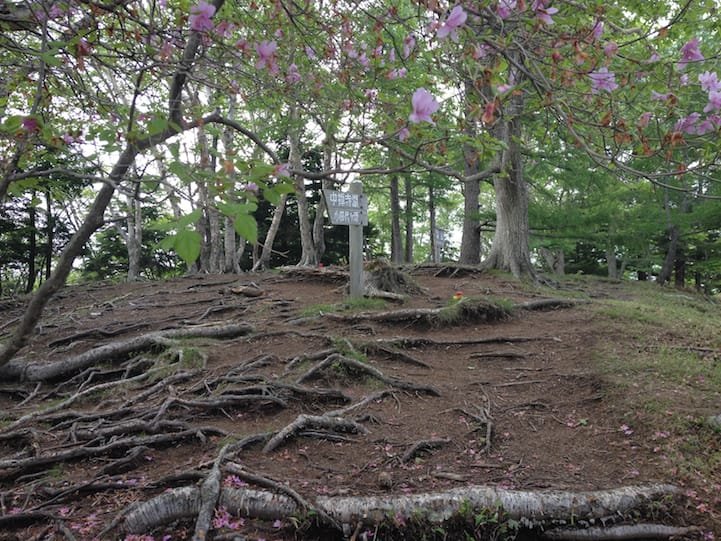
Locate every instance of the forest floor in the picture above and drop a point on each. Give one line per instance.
(612, 391)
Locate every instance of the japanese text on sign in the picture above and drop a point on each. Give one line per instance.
(345, 208)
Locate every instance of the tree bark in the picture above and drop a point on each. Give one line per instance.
(134, 238)
(435, 250)
(408, 257)
(471, 233)
(665, 275)
(263, 261)
(32, 243)
(396, 241)
(510, 251)
(308, 257)
(534, 508)
(49, 233)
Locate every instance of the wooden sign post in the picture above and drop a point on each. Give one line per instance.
(351, 208)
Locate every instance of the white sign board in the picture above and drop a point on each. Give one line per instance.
(345, 208)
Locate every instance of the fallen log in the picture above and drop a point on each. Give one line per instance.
(20, 369)
(530, 508)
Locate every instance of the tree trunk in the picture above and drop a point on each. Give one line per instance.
(665, 275)
(309, 256)
(611, 261)
(435, 249)
(396, 241)
(49, 234)
(679, 268)
(32, 243)
(409, 220)
(134, 240)
(471, 233)
(263, 262)
(510, 251)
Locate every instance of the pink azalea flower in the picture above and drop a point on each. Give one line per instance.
(224, 29)
(251, 187)
(403, 134)
(293, 75)
(397, 73)
(505, 7)
(30, 124)
(424, 105)
(655, 57)
(602, 79)
(704, 127)
(690, 53)
(409, 44)
(310, 53)
(709, 81)
(683, 80)
(610, 48)
(544, 15)
(597, 30)
(657, 96)
(715, 120)
(281, 170)
(687, 124)
(481, 51)
(456, 18)
(714, 101)
(266, 56)
(644, 119)
(543, 12)
(502, 89)
(200, 15)
(363, 59)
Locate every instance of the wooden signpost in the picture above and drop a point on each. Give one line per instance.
(350, 208)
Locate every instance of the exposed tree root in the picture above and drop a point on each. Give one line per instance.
(421, 447)
(530, 508)
(20, 369)
(629, 532)
(466, 310)
(209, 494)
(365, 368)
(304, 422)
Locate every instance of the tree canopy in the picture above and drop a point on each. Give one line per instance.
(584, 128)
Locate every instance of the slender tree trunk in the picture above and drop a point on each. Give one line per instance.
(471, 232)
(665, 275)
(32, 244)
(679, 268)
(409, 220)
(510, 251)
(435, 249)
(326, 184)
(233, 245)
(611, 261)
(263, 262)
(49, 233)
(308, 257)
(396, 240)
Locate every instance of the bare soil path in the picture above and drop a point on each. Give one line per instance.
(519, 402)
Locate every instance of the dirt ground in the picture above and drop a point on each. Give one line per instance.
(554, 419)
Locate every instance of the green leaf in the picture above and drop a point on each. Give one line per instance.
(157, 125)
(246, 227)
(50, 59)
(187, 245)
(284, 187)
(272, 196)
(188, 219)
(12, 123)
(168, 243)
